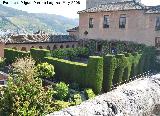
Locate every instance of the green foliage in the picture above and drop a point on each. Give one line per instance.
(109, 69)
(95, 73)
(76, 99)
(121, 64)
(61, 91)
(12, 55)
(89, 93)
(45, 70)
(70, 53)
(59, 105)
(39, 54)
(2, 63)
(24, 94)
(73, 72)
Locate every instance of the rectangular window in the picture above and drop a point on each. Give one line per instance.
(157, 24)
(122, 21)
(106, 21)
(90, 22)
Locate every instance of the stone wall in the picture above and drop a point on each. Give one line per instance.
(138, 98)
(140, 27)
(2, 45)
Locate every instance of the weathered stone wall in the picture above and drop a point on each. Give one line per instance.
(138, 98)
(2, 49)
(140, 27)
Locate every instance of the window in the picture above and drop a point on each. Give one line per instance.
(122, 21)
(90, 22)
(158, 23)
(106, 21)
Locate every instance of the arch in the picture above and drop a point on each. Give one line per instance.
(73, 46)
(61, 46)
(40, 47)
(48, 48)
(23, 49)
(67, 46)
(32, 47)
(54, 47)
(14, 48)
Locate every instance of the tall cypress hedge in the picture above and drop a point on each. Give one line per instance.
(109, 64)
(121, 64)
(95, 73)
(127, 70)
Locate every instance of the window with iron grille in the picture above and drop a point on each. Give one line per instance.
(106, 21)
(157, 24)
(90, 22)
(122, 21)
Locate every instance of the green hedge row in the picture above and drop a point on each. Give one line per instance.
(87, 75)
(122, 67)
(39, 54)
(11, 55)
(70, 53)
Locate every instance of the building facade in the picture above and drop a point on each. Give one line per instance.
(126, 21)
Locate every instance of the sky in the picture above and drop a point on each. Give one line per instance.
(63, 9)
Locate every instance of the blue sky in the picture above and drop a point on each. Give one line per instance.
(62, 9)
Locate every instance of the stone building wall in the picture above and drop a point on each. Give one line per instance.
(140, 27)
(2, 45)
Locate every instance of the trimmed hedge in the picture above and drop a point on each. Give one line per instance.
(109, 69)
(11, 55)
(39, 54)
(70, 53)
(90, 75)
(95, 73)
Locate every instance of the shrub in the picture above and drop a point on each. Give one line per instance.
(109, 69)
(2, 63)
(121, 64)
(24, 94)
(70, 53)
(12, 55)
(61, 91)
(89, 93)
(59, 105)
(39, 54)
(95, 73)
(45, 70)
(76, 99)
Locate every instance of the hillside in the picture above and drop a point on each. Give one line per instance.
(21, 21)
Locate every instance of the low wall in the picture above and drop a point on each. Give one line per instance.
(138, 98)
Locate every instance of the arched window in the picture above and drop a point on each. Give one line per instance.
(73, 46)
(67, 46)
(48, 48)
(54, 47)
(40, 47)
(23, 49)
(61, 46)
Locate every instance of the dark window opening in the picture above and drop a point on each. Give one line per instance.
(48, 48)
(106, 21)
(23, 49)
(54, 47)
(99, 48)
(90, 22)
(157, 24)
(67, 46)
(61, 46)
(40, 47)
(122, 21)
